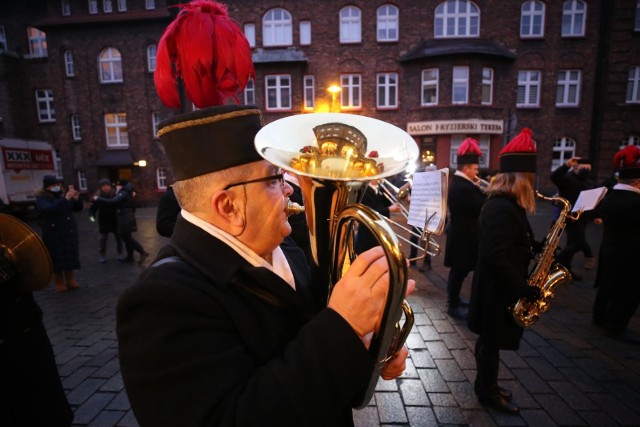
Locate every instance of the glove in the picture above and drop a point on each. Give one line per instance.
(92, 218)
(531, 293)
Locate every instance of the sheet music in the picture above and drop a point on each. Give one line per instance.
(429, 197)
(589, 199)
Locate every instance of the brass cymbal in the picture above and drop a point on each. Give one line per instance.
(27, 252)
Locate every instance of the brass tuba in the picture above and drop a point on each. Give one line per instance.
(547, 274)
(334, 156)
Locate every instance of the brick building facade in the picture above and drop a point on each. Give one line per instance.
(442, 70)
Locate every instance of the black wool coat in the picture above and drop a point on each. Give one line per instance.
(465, 200)
(59, 229)
(211, 340)
(106, 213)
(501, 273)
(125, 208)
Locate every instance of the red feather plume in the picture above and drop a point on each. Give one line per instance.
(207, 50)
(469, 146)
(628, 157)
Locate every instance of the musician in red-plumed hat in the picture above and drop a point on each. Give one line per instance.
(618, 294)
(465, 199)
(500, 276)
(222, 329)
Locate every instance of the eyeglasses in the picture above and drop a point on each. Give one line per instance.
(275, 178)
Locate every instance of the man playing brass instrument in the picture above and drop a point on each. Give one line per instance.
(222, 329)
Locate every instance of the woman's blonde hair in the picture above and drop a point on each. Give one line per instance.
(516, 184)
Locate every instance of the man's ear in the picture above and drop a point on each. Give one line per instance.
(227, 208)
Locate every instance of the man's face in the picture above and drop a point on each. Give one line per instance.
(105, 188)
(266, 217)
(471, 171)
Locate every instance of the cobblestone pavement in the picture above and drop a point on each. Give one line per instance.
(566, 373)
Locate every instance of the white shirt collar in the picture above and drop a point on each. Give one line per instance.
(462, 175)
(627, 187)
(280, 264)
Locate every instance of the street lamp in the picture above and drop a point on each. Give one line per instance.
(334, 90)
(140, 163)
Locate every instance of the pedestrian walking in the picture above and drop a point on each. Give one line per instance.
(107, 220)
(167, 213)
(60, 229)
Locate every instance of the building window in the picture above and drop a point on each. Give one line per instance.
(632, 140)
(563, 149)
(278, 89)
(110, 65)
(305, 33)
(460, 89)
(350, 25)
(250, 93)
(387, 90)
(58, 164)
(161, 178)
(151, 57)
(351, 91)
(44, 103)
(155, 123)
(250, 34)
(487, 86)
(75, 128)
(573, 18)
(149, 4)
(276, 28)
(65, 6)
(633, 86)
(532, 19)
(388, 18)
(107, 6)
(116, 128)
(528, 94)
(430, 87)
(568, 92)
(457, 18)
(309, 93)
(69, 68)
(82, 181)
(3, 39)
(122, 5)
(37, 43)
(93, 7)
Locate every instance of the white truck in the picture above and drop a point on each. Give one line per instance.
(23, 164)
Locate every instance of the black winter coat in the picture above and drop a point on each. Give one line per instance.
(209, 340)
(106, 213)
(126, 209)
(501, 273)
(465, 200)
(60, 229)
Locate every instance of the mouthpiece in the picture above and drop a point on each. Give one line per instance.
(294, 209)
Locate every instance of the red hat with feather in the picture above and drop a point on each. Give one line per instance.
(469, 152)
(204, 55)
(627, 162)
(520, 154)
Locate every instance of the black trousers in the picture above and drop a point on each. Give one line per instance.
(131, 244)
(103, 243)
(487, 364)
(576, 242)
(454, 284)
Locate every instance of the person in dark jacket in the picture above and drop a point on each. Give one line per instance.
(31, 393)
(465, 199)
(107, 220)
(374, 199)
(618, 293)
(60, 229)
(501, 273)
(167, 213)
(126, 217)
(571, 178)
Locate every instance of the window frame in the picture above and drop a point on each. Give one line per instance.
(114, 64)
(76, 130)
(107, 6)
(386, 23)
(633, 86)
(572, 13)
(92, 7)
(82, 180)
(156, 118)
(457, 82)
(487, 82)
(309, 91)
(305, 33)
(249, 30)
(152, 55)
(426, 85)
(122, 5)
(528, 84)
(277, 31)
(630, 140)
(350, 27)
(161, 178)
(65, 7)
(37, 43)
(249, 92)
(69, 66)
(442, 15)
(45, 106)
(149, 4)
(389, 88)
(565, 84)
(282, 92)
(532, 14)
(562, 145)
(351, 92)
(120, 137)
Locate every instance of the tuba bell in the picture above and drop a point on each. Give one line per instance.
(335, 155)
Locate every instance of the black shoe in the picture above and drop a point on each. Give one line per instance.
(505, 393)
(499, 403)
(457, 313)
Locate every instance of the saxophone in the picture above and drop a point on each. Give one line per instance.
(547, 274)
